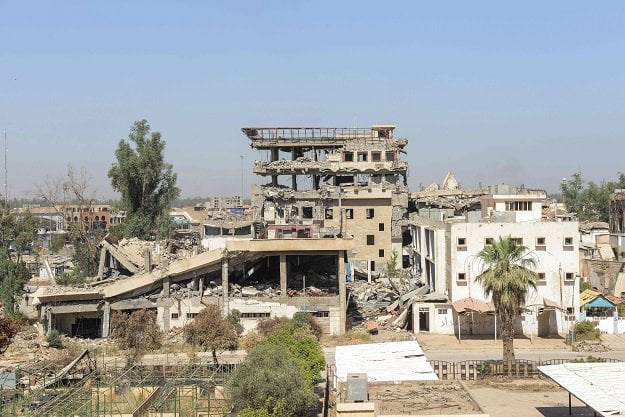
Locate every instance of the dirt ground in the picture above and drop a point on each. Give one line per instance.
(525, 398)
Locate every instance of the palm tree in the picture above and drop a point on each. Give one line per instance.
(507, 277)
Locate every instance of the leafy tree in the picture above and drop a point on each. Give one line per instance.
(269, 383)
(303, 346)
(507, 277)
(137, 331)
(211, 331)
(392, 265)
(234, 318)
(54, 339)
(306, 320)
(589, 200)
(8, 328)
(17, 233)
(147, 184)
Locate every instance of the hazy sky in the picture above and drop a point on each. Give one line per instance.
(526, 93)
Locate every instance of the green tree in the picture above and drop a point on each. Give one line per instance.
(507, 277)
(17, 233)
(146, 182)
(269, 383)
(589, 200)
(211, 331)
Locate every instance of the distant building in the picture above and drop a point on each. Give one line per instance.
(224, 203)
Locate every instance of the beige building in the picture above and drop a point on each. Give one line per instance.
(326, 182)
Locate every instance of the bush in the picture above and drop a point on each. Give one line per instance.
(587, 330)
(54, 339)
(8, 328)
(234, 318)
(303, 346)
(302, 320)
(137, 331)
(269, 383)
(211, 331)
(251, 340)
(267, 326)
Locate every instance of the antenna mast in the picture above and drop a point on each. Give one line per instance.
(6, 183)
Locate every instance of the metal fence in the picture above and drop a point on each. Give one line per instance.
(479, 369)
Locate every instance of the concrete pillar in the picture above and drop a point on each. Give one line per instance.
(342, 292)
(166, 318)
(106, 319)
(166, 283)
(274, 157)
(224, 282)
(283, 273)
(147, 259)
(48, 320)
(293, 177)
(102, 263)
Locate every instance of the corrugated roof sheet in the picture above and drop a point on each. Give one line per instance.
(587, 296)
(391, 361)
(600, 385)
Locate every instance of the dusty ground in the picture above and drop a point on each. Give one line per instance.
(525, 398)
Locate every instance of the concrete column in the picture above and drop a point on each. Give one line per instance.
(224, 282)
(48, 320)
(342, 291)
(293, 177)
(166, 283)
(274, 157)
(147, 259)
(102, 263)
(106, 319)
(166, 318)
(283, 273)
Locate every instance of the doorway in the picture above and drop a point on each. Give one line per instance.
(424, 319)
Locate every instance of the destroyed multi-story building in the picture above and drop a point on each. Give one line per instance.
(332, 182)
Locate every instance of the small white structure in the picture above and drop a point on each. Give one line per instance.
(384, 362)
(445, 251)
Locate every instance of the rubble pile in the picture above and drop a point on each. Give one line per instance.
(383, 304)
(585, 346)
(163, 252)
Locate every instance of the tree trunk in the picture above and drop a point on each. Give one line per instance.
(215, 356)
(507, 336)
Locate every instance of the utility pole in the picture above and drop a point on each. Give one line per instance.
(241, 180)
(6, 181)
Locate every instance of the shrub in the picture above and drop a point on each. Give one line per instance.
(267, 326)
(8, 328)
(251, 340)
(234, 318)
(303, 346)
(586, 330)
(302, 319)
(137, 331)
(54, 339)
(211, 331)
(269, 383)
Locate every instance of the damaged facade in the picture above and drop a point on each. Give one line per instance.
(443, 247)
(331, 182)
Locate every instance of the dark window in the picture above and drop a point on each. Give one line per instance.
(541, 276)
(321, 314)
(540, 241)
(329, 214)
(488, 241)
(191, 315)
(381, 253)
(174, 316)
(568, 241)
(381, 227)
(362, 156)
(517, 240)
(349, 213)
(255, 315)
(370, 213)
(373, 265)
(307, 212)
(462, 276)
(376, 156)
(569, 276)
(370, 240)
(390, 156)
(348, 156)
(462, 241)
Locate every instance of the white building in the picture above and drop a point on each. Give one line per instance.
(445, 248)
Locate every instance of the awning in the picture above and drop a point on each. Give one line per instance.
(552, 304)
(471, 304)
